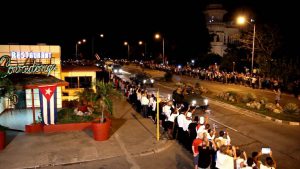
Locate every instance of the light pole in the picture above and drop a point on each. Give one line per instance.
(157, 36)
(242, 20)
(141, 43)
(233, 64)
(128, 48)
(93, 42)
(79, 43)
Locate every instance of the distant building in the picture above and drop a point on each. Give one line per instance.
(221, 33)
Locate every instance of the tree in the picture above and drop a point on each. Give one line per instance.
(6, 86)
(267, 43)
(234, 56)
(103, 96)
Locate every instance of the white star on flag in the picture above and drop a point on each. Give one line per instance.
(48, 91)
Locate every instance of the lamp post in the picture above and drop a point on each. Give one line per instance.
(79, 43)
(141, 43)
(242, 20)
(128, 48)
(93, 42)
(233, 64)
(157, 36)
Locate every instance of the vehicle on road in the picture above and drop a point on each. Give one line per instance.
(142, 79)
(190, 98)
(117, 69)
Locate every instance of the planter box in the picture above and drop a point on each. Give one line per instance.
(34, 128)
(67, 127)
(101, 131)
(2, 140)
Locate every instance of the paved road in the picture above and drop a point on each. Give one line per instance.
(251, 133)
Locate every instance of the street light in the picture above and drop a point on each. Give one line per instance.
(128, 48)
(79, 43)
(242, 20)
(157, 36)
(233, 64)
(141, 43)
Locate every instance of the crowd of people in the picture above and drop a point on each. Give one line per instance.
(210, 149)
(254, 80)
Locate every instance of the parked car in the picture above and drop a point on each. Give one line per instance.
(142, 79)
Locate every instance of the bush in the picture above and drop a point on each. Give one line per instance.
(263, 100)
(291, 108)
(168, 76)
(67, 116)
(250, 97)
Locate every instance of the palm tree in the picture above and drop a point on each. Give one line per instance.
(103, 96)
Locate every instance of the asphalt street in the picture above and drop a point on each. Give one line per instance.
(249, 132)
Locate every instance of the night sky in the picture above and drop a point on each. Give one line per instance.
(181, 23)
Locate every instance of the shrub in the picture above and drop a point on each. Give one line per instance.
(291, 108)
(67, 116)
(263, 100)
(168, 76)
(249, 98)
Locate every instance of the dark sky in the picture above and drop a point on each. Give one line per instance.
(181, 23)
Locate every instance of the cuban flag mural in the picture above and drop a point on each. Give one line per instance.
(48, 104)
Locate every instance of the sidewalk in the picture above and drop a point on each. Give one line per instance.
(38, 150)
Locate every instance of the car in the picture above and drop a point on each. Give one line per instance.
(142, 79)
(117, 69)
(190, 98)
(100, 65)
(196, 100)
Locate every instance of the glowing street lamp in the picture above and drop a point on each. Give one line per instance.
(157, 36)
(128, 48)
(241, 20)
(141, 43)
(79, 43)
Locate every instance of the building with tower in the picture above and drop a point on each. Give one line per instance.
(222, 33)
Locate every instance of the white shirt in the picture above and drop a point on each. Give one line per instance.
(186, 124)
(180, 120)
(153, 105)
(224, 161)
(261, 166)
(144, 100)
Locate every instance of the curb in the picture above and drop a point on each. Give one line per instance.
(159, 149)
(257, 114)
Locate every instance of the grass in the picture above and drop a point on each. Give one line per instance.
(280, 116)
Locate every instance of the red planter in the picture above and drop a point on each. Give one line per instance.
(67, 127)
(2, 140)
(101, 131)
(34, 128)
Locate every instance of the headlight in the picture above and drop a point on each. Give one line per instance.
(144, 81)
(152, 81)
(115, 71)
(194, 102)
(120, 70)
(206, 101)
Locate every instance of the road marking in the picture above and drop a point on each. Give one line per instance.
(129, 158)
(223, 124)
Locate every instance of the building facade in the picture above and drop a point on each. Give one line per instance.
(222, 33)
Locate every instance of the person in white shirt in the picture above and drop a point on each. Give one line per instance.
(144, 103)
(225, 157)
(270, 163)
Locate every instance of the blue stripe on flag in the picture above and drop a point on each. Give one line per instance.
(41, 106)
(55, 105)
(48, 112)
